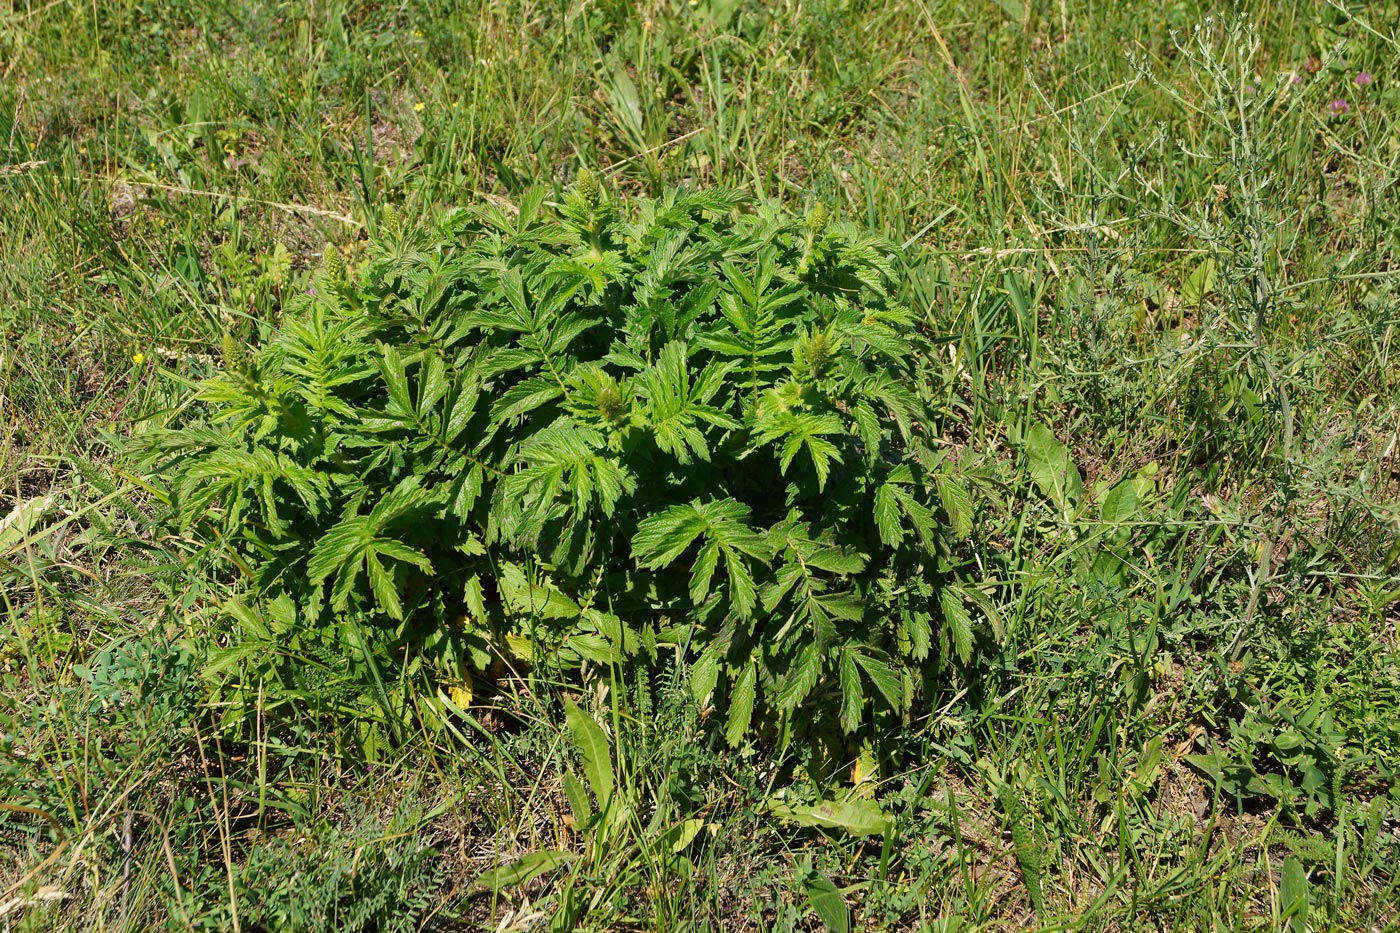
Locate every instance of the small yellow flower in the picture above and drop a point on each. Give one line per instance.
(138, 358)
(418, 107)
(417, 33)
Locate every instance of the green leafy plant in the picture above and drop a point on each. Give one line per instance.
(572, 432)
(1297, 758)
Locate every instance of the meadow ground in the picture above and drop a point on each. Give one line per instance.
(1154, 245)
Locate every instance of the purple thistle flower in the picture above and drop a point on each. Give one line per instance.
(1340, 106)
(1363, 79)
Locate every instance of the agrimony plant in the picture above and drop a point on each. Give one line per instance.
(574, 432)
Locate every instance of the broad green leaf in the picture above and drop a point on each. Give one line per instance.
(594, 751)
(249, 618)
(1053, 470)
(523, 870)
(577, 795)
(827, 903)
(1120, 504)
(859, 816)
(223, 659)
(1295, 896)
(679, 837)
(21, 521)
(1014, 9)
(594, 648)
(1200, 283)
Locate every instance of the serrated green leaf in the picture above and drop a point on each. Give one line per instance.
(388, 547)
(887, 516)
(741, 702)
(661, 539)
(703, 571)
(852, 694)
(539, 600)
(801, 678)
(525, 397)
(982, 601)
(432, 385)
(704, 674)
(959, 622)
(392, 369)
(594, 648)
(920, 635)
(385, 590)
(339, 547)
(957, 504)
(743, 595)
(400, 502)
(884, 678)
(474, 598)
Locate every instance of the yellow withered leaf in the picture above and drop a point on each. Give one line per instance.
(461, 692)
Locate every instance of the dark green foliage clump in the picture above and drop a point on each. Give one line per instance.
(576, 432)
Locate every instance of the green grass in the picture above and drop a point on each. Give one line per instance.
(1167, 252)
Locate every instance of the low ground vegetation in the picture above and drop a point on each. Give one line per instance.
(891, 466)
